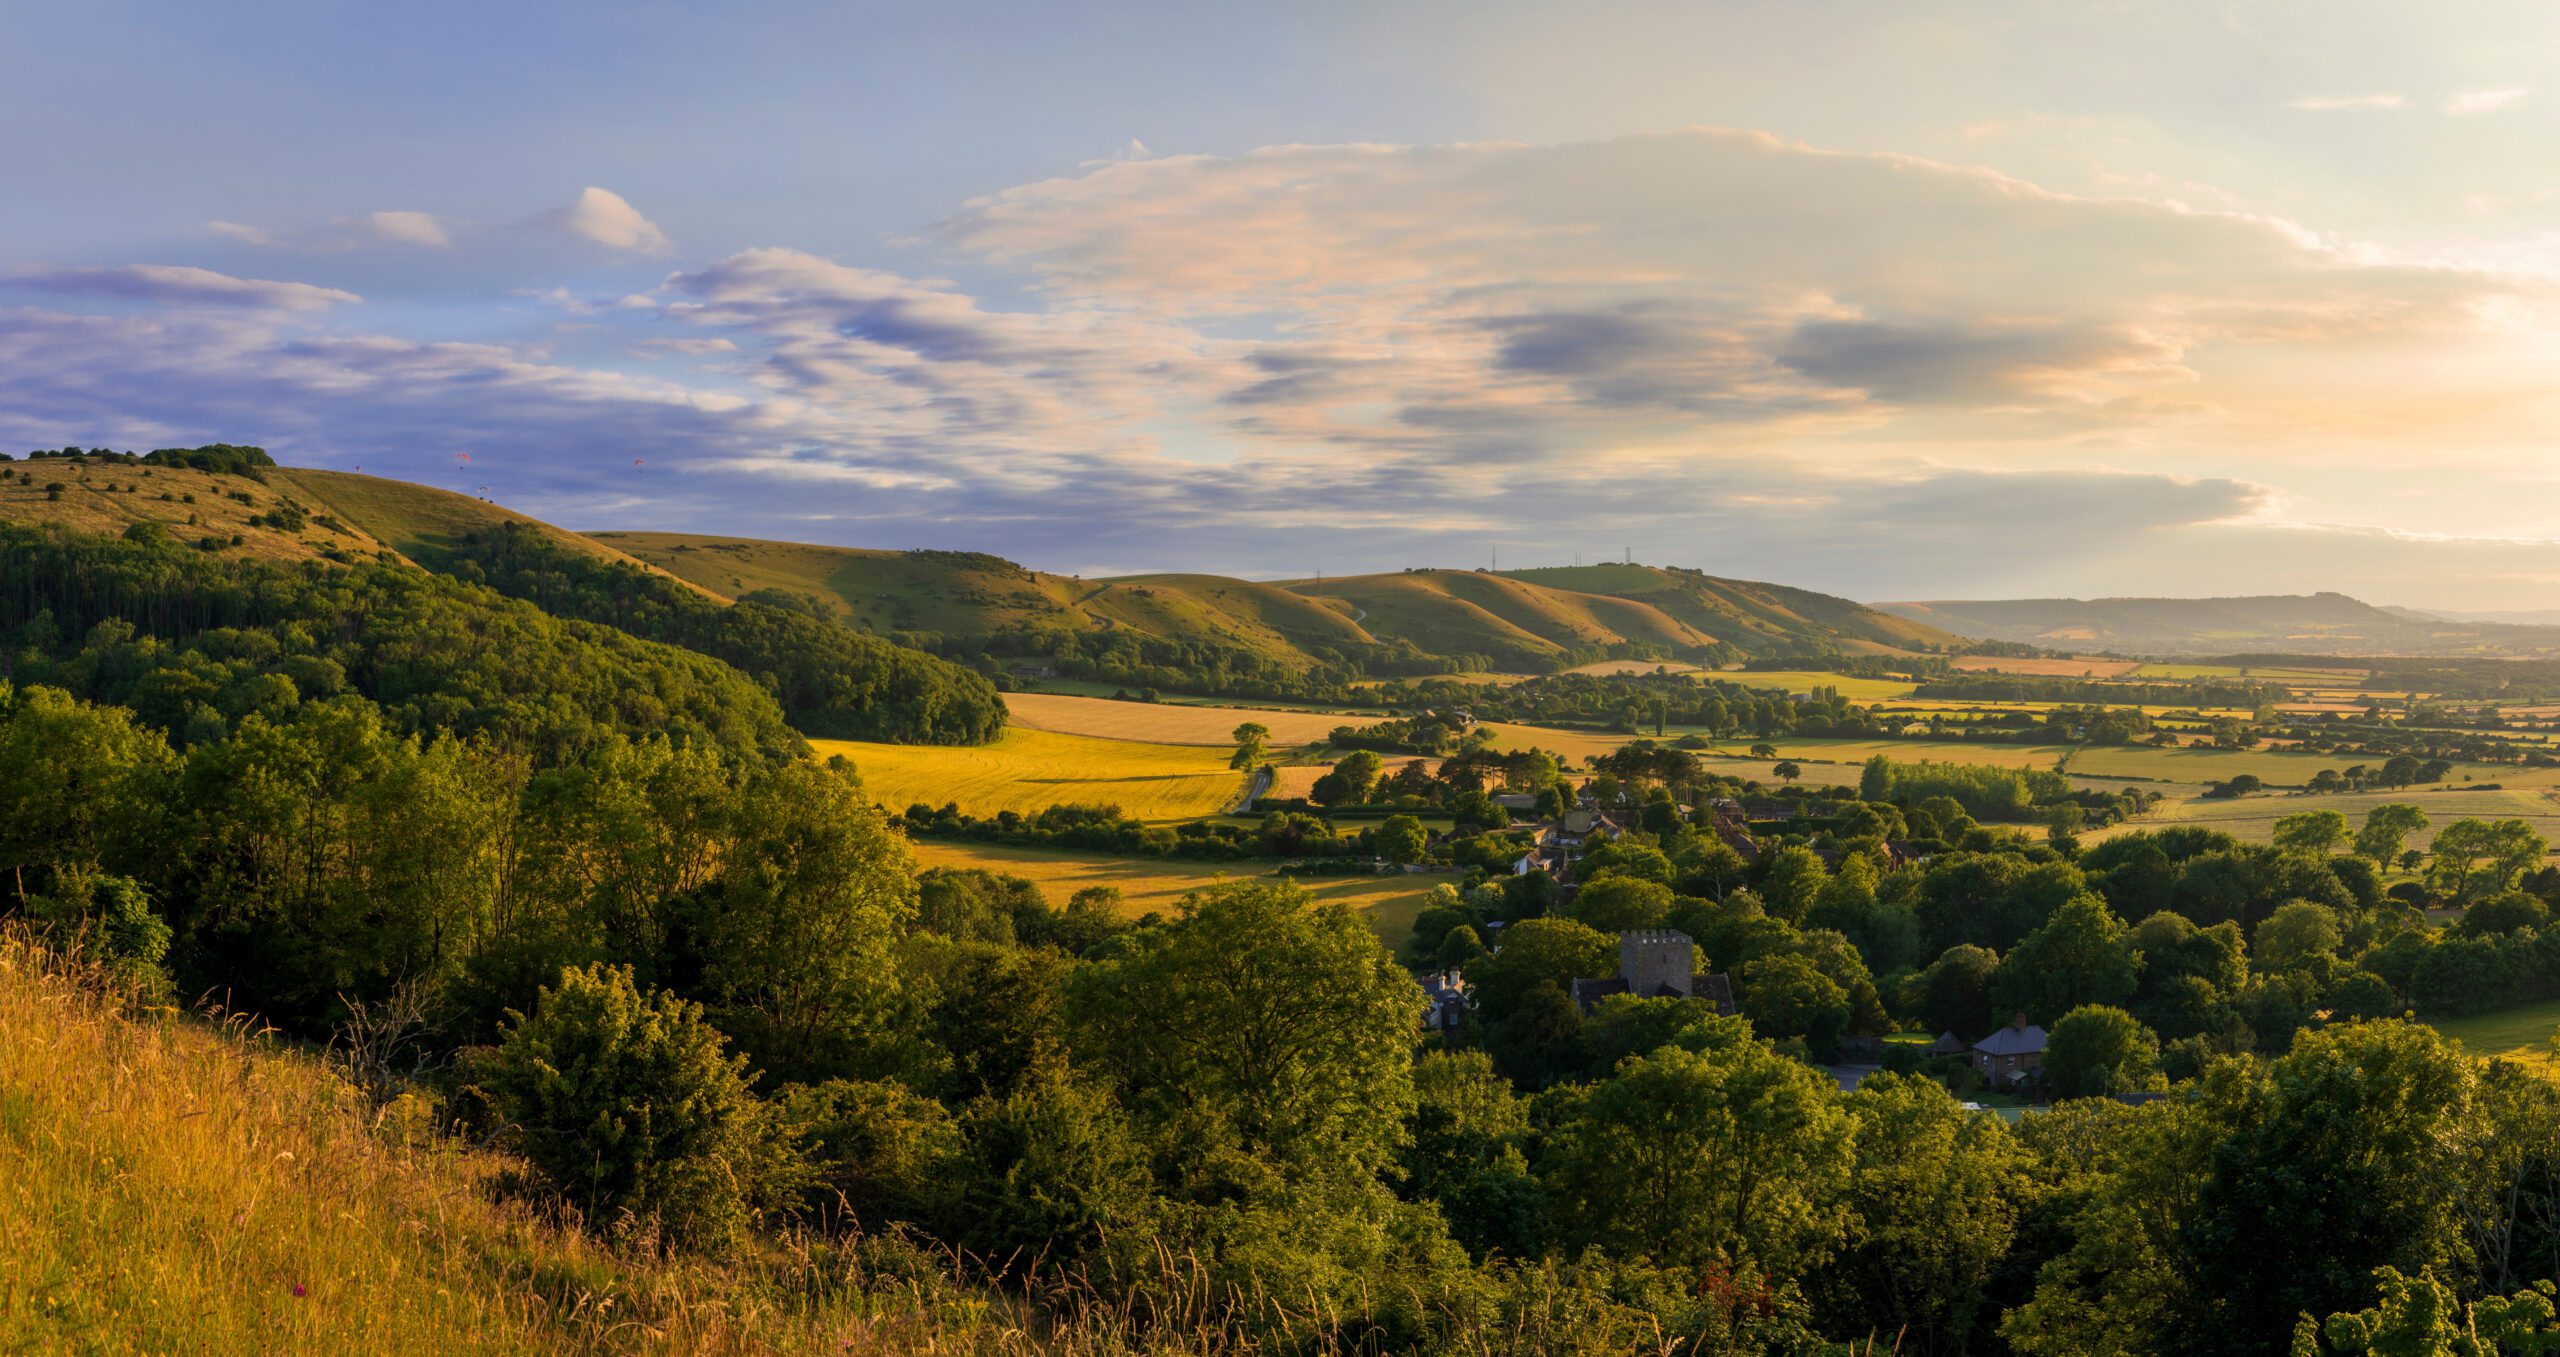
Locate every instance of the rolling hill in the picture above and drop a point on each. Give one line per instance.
(1525, 617)
(2308, 624)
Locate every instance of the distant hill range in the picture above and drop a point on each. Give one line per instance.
(2300, 624)
(1525, 618)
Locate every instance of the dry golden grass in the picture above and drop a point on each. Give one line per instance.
(1167, 723)
(1389, 903)
(171, 1186)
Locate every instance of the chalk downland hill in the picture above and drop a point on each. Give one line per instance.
(1525, 617)
(830, 680)
(2301, 624)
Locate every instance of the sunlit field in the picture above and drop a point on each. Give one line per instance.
(1165, 723)
(1389, 903)
(1806, 680)
(1032, 770)
(2252, 819)
(2523, 1034)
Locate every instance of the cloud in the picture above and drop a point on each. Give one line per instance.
(601, 216)
(398, 228)
(2484, 101)
(691, 347)
(180, 285)
(404, 228)
(2330, 104)
(1861, 372)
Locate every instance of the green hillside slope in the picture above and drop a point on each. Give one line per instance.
(1530, 618)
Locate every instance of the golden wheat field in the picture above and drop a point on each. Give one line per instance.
(1031, 770)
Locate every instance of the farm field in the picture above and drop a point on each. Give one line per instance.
(2272, 673)
(2252, 819)
(1169, 723)
(1805, 680)
(2279, 767)
(1389, 903)
(2522, 1034)
(2073, 667)
(1031, 770)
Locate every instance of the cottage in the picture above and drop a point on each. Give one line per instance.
(1447, 993)
(2011, 1053)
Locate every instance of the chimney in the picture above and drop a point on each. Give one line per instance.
(2019, 1022)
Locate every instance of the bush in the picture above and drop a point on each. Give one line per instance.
(627, 1103)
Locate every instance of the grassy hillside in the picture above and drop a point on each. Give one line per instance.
(974, 595)
(2324, 624)
(1753, 617)
(1525, 617)
(345, 513)
(169, 1186)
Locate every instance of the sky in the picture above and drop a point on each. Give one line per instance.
(1913, 300)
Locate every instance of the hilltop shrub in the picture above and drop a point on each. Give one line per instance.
(629, 1106)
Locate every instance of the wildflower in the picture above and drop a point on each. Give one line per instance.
(297, 1290)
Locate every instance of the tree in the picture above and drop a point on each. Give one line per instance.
(1249, 738)
(2336, 1165)
(795, 935)
(1933, 1201)
(2080, 956)
(2477, 858)
(2295, 934)
(1400, 839)
(1786, 996)
(1733, 1154)
(1550, 951)
(627, 1103)
(1271, 1019)
(1614, 904)
(2386, 828)
(1953, 994)
(2312, 831)
(74, 781)
(2094, 1050)
(1787, 771)
(1792, 881)
(1764, 751)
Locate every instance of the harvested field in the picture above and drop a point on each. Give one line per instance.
(2252, 819)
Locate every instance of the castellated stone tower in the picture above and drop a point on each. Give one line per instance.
(1653, 960)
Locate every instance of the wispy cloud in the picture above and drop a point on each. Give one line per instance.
(2484, 101)
(2321, 103)
(180, 285)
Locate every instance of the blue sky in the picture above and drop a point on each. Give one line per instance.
(1913, 300)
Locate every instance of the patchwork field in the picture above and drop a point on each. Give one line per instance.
(1032, 770)
(2252, 819)
(1165, 723)
(1389, 903)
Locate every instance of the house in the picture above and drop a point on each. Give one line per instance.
(1035, 671)
(2012, 1053)
(1515, 801)
(1657, 963)
(1447, 993)
(1948, 1043)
